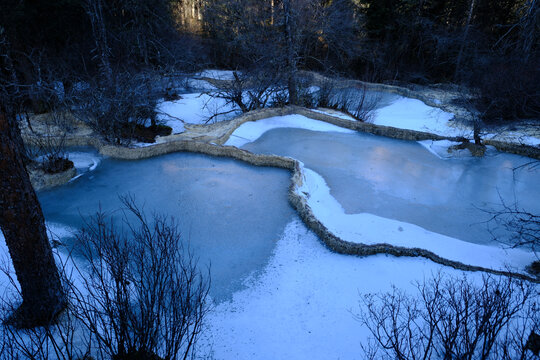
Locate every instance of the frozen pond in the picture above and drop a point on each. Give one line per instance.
(402, 180)
(230, 213)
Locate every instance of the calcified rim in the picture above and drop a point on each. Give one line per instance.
(213, 146)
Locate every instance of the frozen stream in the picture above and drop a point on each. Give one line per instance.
(401, 180)
(231, 213)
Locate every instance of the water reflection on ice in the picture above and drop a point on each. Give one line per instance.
(230, 213)
(401, 180)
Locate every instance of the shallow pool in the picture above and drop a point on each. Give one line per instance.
(402, 180)
(229, 212)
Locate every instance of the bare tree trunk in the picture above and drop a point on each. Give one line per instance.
(10, 85)
(272, 12)
(529, 29)
(291, 56)
(94, 9)
(21, 218)
(463, 42)
(23, 225)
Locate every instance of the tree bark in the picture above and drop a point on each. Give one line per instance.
(290, 53)
(464, 40)
(23, 225)
(94, 9)
(529, 33)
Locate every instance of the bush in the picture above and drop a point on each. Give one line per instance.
(49, 146)
(116, 111)
(54, 165)
(137, 294)
(508, 90)
(249, 90)
(148, 133)
(356, 102)
(141, 292)
(453, 318)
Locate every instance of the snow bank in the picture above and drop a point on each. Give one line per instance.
(529, 140)
(412, 114)
(194, 108)
(516, 138)
(302, 306)
(371, 229)
(251, 131)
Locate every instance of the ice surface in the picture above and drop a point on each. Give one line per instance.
(229, 212)
(400, 180)
(252, 130)
(371, 229)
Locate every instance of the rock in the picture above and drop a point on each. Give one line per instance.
(42, 180)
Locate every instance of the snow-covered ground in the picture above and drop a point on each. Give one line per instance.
(196, 108)
(392, 110)
(517, 138)
(303, 304)
(412, 114)
(252, 130)
(5, 267)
